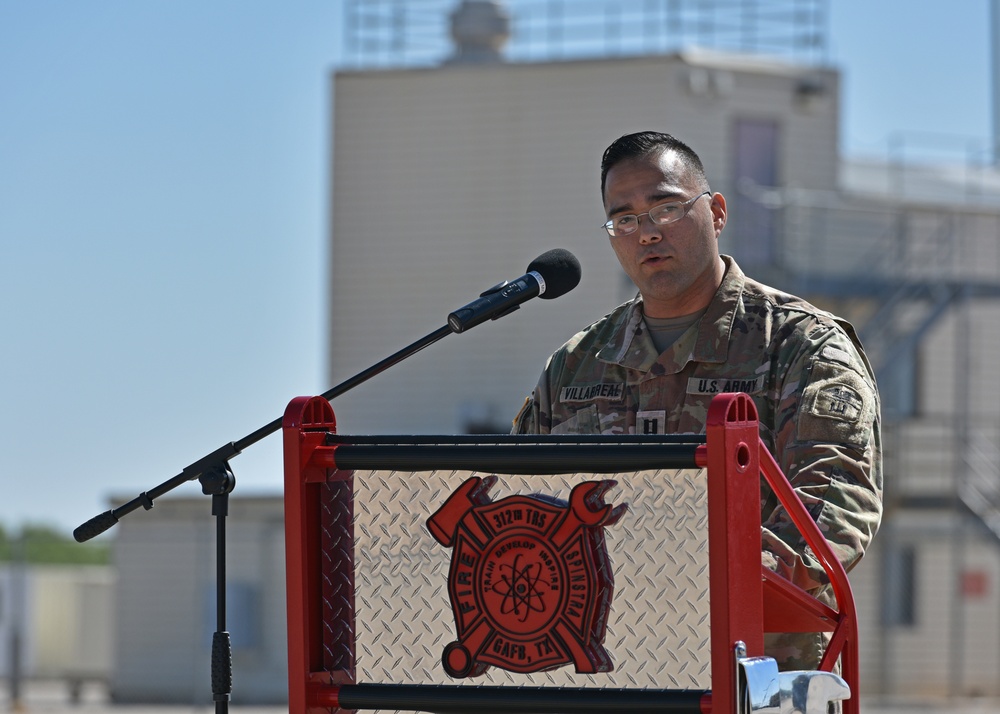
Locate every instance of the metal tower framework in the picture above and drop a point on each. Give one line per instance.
(410, 33)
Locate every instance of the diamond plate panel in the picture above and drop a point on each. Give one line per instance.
(658, 629)
(337, 506)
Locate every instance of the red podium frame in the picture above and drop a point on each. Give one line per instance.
(735, 459)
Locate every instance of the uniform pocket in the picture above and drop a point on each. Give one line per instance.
(582, 421)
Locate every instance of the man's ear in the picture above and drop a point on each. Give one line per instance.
(719, 213)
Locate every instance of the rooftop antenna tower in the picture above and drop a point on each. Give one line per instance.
(415, 33)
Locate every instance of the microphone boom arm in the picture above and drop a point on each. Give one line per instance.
(219, 458)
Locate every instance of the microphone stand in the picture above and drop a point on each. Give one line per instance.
(218, 481)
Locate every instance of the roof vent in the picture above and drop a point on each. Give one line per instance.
(480, 29)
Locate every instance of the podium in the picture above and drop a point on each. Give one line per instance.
(496, 573)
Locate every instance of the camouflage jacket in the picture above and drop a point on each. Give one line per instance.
(815, 395)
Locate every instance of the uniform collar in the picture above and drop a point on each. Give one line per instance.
(707, 341)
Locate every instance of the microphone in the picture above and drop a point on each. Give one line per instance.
(550, 275)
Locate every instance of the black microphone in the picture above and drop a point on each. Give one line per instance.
(550, 275)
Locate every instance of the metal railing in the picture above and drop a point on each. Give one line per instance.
(409, 33)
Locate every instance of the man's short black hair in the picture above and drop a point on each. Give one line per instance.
(645, 144)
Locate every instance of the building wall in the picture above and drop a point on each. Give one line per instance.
(448, 180)
(950, 377)
(166, 602)
(62, 616)
(949, 648)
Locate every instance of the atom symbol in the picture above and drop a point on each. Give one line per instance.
(521, 588)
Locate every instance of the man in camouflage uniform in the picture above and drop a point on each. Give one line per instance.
(700, 327)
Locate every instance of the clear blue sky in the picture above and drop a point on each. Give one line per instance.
(163, 179)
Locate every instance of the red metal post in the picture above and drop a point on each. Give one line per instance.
(737, 609)
(305, 425)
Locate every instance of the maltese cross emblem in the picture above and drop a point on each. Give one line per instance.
(530, 583)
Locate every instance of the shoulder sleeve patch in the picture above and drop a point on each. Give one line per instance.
(837, 406)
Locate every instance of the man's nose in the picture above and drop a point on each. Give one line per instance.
(649, 232)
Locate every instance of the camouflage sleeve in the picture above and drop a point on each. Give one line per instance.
(535, 416)
(526, 421)
(828, 444)
(529, 419)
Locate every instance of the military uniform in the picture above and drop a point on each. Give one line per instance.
(816, 400)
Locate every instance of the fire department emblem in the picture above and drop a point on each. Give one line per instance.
(530, 582)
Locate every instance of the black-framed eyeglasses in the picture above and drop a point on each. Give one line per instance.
(661, 215)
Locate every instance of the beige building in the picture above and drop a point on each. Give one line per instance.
(56, 623)
(448, 180)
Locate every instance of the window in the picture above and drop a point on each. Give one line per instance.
(755, 167)
(899, 586)
(897, 386)
(242, 614)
